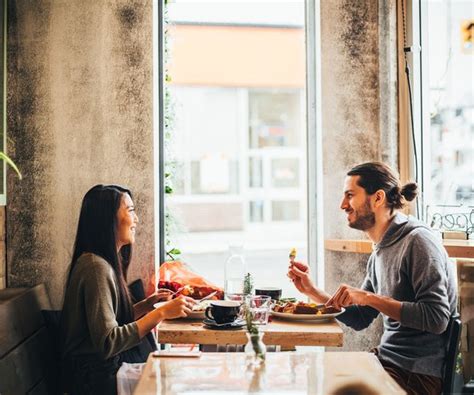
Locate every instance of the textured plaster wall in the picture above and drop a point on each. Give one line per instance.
(79, 113)
(358, 118)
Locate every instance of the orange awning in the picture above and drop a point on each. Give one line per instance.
(245, 56)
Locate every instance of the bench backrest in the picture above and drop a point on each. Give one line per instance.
(27, 360)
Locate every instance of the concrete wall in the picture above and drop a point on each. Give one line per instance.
(79, 113)
(358, 65)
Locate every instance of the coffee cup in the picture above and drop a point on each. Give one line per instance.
(223, 311)
(273, 292)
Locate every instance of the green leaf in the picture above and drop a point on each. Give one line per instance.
(248, 284)
(168, 189)
(175, 251)
(9, 162)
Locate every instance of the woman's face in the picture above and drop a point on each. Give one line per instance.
(127, 222)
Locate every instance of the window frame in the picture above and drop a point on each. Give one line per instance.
(417, 37)
(406, 148)
(314, 194)
(3, 106)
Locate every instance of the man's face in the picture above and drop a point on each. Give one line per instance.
(356, 204)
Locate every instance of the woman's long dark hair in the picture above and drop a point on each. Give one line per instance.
(97, 234)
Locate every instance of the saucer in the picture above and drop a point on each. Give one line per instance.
(237, 324)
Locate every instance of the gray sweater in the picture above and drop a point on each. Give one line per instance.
(88, 320)
(410, 265)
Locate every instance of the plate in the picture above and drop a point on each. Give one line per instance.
(306, 317)
(195, 315)
(237, 324)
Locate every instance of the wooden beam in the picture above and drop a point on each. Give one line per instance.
(454, 248)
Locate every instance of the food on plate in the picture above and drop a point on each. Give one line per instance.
(303, 308)
(286, 300)
(191, 291)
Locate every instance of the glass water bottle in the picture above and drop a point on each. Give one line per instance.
(235, 271)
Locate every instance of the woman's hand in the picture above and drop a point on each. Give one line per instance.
(298, 272)
(160, 295)
(176, 308)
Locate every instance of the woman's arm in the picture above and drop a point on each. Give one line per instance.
(146, 305)
(179, 307)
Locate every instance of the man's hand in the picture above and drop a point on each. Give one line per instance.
(347, 296)
(299, 273)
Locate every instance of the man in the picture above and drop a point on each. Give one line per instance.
(408, 280)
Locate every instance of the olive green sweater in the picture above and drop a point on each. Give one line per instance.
(89, 317)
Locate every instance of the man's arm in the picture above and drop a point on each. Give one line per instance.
(349, 296)
(428, 272)
(356, 317)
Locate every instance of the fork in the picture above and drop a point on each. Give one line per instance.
(206, 297)
(175, 292)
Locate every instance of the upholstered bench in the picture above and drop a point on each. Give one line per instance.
(28, 362)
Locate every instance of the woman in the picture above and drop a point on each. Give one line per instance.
(98, 320)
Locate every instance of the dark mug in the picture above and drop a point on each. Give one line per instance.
(223, 311)
(273, 292)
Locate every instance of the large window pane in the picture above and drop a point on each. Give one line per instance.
(238, 136)
(285, 173)
(275, 119)
(450, 102)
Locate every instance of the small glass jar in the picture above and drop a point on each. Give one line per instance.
(255, 349)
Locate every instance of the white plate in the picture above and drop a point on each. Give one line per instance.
(306, 317)
(195, 315)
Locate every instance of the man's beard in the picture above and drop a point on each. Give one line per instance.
(365, 219)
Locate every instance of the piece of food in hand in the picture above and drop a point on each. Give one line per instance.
(292, 254)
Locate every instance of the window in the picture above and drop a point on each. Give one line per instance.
(443, 100)
(236, 138)
(447, 97)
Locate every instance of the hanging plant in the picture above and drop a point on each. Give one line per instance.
(171, 222)
(10, 162)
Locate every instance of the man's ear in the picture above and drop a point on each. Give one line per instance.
(379, 198)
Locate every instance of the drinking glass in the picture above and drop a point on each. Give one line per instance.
(260, 307)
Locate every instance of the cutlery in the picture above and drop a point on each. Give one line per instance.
(206, 297)
(178, 291)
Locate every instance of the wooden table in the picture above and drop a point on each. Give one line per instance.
(283, 373)
(454, 248)
(287, 334)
